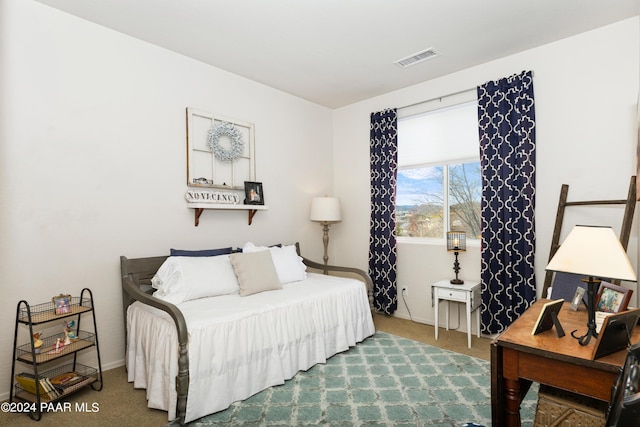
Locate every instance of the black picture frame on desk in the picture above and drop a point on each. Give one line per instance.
(615, 333)
(548, 318)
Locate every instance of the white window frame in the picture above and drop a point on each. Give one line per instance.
(429, 106)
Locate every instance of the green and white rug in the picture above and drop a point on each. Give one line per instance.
(384, 381)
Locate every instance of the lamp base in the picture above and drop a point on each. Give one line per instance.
(584, 340)
(456, 268)
(591, 312)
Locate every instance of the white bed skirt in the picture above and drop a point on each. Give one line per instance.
(239, 346)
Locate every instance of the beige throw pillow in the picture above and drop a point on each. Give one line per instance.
(255, 271)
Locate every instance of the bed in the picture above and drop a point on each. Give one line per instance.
(197, 355)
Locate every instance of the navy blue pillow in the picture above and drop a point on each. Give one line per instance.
(203, 252)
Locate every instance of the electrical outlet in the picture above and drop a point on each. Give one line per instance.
(405, 291)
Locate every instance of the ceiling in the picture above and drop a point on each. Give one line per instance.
(337, 52)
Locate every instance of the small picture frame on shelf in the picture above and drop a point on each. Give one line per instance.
(253, 193)
(612, 298)
(62, 304)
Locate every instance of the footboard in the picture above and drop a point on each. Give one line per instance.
(136, 286)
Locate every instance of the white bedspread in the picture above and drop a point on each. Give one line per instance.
(239, 346)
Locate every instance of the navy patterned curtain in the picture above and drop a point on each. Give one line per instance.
(382, 241)
(506, 118)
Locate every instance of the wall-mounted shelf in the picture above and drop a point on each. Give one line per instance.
(200, 207)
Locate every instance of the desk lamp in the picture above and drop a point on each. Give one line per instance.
(325, 210)
(456, 242)
(592, 251)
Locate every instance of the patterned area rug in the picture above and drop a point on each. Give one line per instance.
(384, 381)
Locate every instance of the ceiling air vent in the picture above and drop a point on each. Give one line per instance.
(417, 57)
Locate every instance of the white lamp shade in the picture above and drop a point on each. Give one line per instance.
(593, 251)
(325, 209)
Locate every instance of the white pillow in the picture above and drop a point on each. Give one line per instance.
(289, 265)
(181, 279)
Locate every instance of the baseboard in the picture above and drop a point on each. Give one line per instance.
(431, 323)
(414, 319)
(113, 365)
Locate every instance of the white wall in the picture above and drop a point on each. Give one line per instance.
(92, 162)
(586, 89)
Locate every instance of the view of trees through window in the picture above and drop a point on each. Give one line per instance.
(439, 183)
(423, 207)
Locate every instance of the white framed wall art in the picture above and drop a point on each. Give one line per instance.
(220, 151)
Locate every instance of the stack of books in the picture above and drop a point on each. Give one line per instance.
(28, 383)
(51, 388)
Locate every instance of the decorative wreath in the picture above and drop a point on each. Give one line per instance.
(236, 149)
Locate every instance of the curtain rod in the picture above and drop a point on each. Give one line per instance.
(438, 98)
(446, 96)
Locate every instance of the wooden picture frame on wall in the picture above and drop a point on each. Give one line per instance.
(204, 167)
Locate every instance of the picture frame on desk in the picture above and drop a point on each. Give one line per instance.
(548, 318)
(612, 298)
(577, 298)
(615, 333)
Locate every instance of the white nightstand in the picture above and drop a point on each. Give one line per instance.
(468, 293)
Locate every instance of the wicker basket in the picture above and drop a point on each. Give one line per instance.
(562, 408)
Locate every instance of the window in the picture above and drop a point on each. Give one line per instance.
(439, 185)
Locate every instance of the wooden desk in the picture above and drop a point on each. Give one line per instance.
(519, 358)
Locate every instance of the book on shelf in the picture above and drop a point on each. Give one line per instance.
(51, 390)
(68, 379)
(45, 388)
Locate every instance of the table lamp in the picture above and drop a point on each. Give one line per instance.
(456, 242)
(592, 251)
(325, 210)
